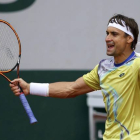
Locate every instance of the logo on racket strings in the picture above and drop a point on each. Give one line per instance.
(9, 53)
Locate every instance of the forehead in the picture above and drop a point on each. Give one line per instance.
(113, 29)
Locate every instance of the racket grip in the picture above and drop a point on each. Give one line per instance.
(27, 108)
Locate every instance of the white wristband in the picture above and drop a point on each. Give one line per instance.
(39, 89)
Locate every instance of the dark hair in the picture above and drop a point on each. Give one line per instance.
(130, 23)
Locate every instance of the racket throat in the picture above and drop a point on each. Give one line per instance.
(18, 70)
(6, 77)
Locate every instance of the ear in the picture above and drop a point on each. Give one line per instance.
(129, 39)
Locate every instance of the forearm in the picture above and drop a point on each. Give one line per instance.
(68, 89)
(62, 90)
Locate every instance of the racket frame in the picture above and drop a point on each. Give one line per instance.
(22, 97)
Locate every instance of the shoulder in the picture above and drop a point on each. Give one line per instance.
(106, 63)
(105, 66)
(137, 57)
(137, 54)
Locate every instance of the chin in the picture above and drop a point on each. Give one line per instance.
(109, 54)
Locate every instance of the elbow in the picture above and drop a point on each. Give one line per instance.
(71, 91)
(71, 94)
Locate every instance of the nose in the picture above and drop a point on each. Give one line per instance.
(108, 38)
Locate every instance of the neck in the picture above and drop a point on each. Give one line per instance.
(121, 58)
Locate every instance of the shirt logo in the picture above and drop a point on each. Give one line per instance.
(122, 74)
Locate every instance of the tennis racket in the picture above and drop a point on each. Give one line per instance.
(10, 54)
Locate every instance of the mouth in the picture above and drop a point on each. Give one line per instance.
(110, 46)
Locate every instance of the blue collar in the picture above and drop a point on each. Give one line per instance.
(120, 64)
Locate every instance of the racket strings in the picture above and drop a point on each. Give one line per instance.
(9, 48)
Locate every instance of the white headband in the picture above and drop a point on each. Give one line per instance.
(123, 28)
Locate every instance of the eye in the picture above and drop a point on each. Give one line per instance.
(107, 33)
(114, 33)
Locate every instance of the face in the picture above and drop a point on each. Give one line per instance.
(116, 42)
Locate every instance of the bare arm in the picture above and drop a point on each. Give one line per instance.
(57, 90)
(69, 89)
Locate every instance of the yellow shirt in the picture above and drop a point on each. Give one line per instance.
(120, 87)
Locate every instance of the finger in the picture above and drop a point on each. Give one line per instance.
(15, 81)
(16, 91)
(15, 88)
(12, 85)
(17, 94)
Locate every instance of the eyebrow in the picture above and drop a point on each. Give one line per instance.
(112, 32)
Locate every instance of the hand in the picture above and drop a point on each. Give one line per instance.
(24, 86)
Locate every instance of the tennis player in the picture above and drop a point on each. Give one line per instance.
(118, 77)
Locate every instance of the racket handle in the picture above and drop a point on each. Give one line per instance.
(27, 108)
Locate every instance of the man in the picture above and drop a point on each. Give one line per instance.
(117, 77)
